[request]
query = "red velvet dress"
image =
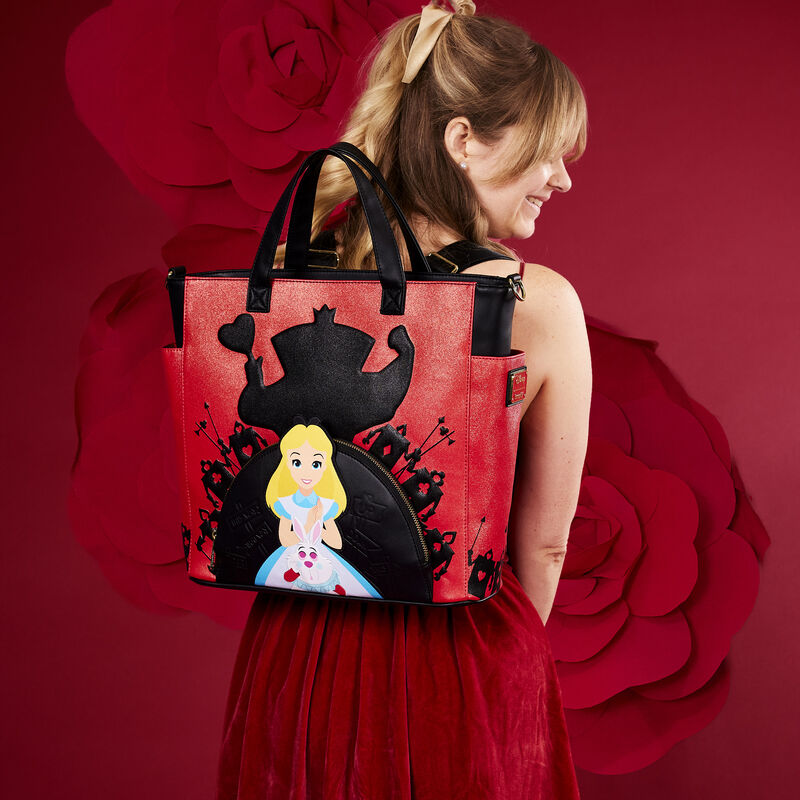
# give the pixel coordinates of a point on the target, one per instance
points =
(355, 700)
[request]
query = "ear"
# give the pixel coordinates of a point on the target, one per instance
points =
(316, 533)
(299, 530)
(456, 135)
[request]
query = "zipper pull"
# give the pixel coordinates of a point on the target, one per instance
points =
(517, 286)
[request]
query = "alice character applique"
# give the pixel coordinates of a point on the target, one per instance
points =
(305, 493)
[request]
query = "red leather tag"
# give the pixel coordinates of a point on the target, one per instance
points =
(516, 385)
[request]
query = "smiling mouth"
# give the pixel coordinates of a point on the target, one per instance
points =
(306, 480)
(534, 201)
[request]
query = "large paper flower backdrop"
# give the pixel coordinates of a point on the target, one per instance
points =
(661, 566)
(208, 107)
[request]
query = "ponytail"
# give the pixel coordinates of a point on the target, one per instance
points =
(482, 67)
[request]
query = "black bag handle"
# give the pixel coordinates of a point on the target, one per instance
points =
(387, 256)
(298, 239)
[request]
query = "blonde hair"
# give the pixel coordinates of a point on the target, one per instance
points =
(484, 68)
(282, 483)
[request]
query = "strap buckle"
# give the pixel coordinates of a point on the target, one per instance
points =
(517, 286)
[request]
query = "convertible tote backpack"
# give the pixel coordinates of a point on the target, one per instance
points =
(341, 432)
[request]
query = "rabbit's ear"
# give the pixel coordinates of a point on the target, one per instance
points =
(299, 529)
(315, 534)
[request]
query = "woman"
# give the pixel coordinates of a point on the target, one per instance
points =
(471, 123)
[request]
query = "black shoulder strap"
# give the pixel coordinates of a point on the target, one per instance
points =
(322, 250)
(451, 258)
(460, 255)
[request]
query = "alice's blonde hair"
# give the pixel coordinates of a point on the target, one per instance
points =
(482, 67)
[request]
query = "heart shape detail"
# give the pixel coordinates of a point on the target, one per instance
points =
(238, 335)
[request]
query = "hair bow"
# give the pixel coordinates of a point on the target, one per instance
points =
(432, 22)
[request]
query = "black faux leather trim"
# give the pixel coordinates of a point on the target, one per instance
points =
(491, 322)
(176, 288)
(323, 597)
(493, 312)
(494, 305)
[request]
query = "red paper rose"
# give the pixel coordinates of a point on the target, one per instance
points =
(661, 568)
(208, 106)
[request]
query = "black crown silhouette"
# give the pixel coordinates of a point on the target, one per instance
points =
(323, 375)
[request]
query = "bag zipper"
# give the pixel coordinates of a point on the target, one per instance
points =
(179, 274)
(425, 559)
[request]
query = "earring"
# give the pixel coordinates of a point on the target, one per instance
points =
(463, 165)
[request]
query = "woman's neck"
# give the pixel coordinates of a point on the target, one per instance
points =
(431, 237)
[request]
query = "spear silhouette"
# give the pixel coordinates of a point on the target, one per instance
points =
(417, 455)
(483, 519)
(224, 449)
(199, 543)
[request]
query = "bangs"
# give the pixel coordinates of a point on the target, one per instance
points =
(553, 124)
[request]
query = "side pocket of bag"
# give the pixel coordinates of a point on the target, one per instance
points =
(498, 385)
(172, 358)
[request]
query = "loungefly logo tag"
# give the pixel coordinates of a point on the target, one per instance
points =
(516, 385)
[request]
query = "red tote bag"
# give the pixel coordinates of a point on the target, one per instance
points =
(343, 432)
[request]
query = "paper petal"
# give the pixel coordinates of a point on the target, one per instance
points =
(260, 149)
(680, 445)
(172, 587)
(572, 590)
(628, 733)
(193, 57)
(605, 592)
(126, 576)
(209, 247)
(728, 569)
(621, 365)
(162, 142)
(92, 61)
(575, 638)
(245, 91)
(259, 188)
(644, 650)
(745, 521)
(667, 571)
(218, 204)
(606, 492)
(606, 421)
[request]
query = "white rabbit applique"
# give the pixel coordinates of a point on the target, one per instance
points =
(309, 568)
(312, 566)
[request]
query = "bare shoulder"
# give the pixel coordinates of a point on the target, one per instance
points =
(550, 327)
(549, 296)
(552, 295)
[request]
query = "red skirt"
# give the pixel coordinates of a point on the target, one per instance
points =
(347, 700)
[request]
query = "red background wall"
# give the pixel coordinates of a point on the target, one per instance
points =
(679, 228)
